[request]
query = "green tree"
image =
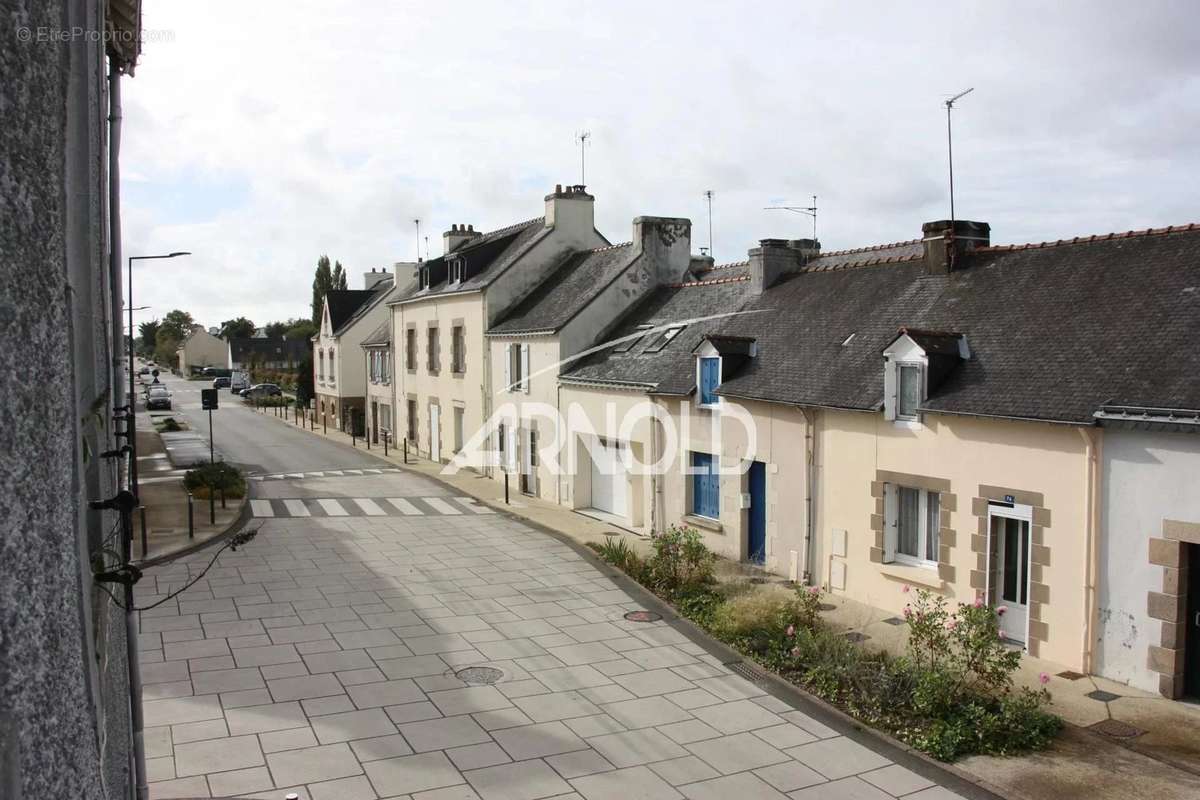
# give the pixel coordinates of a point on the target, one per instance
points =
(322, 283)
(276, 330)
(240, 328)
(165, 345)
(304, 379)
(302, 329)
(339, 276)
(177, 325)
(148, 332)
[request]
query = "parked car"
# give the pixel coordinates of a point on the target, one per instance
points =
(220, 383)
(144, 371)
(158, 397)
(238, 381)
(262, 390)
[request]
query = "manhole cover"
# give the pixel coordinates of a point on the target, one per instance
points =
(1103, 696)
(1071, 675)
(894, 621)
(479, 675)
(826, 607)
(643, 616)
(1116, 729)
(855, 636)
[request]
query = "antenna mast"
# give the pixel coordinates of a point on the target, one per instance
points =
(807, 210)
(708, 194)
(417, 222)
(582, 137)
(950, 148)
(426, 248)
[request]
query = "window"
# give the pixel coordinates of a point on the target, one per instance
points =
(631, 342)
(908, 390)
(500, 451)
(423, 278)
(664, 339)
(458, 271)
(410, 349)
(321, 366)
(914, 519)
(434, 355)
(332, 376)
(385, 367)
(458, 355)
(412, 420)
(516, 368)
(458, 429)
(706, 486)
(710, 379)
(385, 418)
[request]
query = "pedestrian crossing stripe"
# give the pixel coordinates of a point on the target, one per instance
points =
(340, 473)
(367, 507)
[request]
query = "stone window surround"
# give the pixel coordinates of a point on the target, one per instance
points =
(948, 503)
(430, 403)
(410, 365)
(432, 331)
(1039, 554)
(1170, 605)
(458, 324)
(412, 420)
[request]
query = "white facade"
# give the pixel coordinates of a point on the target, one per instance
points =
(339, 369)
(1148, 477)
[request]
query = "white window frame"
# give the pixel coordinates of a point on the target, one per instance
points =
(516, 367)
(899, 368)
(891, 505)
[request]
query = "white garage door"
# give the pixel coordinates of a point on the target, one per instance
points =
(608, 478)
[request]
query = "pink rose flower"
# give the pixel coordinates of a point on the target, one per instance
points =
(951, 624)
(791, 630)
(979, 602)
(1001, 611)
(814, 590)
(906, 588)
(795, 652)
(1043, 678)
(907, 612)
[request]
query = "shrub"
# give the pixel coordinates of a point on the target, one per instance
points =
(204, 477)
(168, 425)
(680, 564)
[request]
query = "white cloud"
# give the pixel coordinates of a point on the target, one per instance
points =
(330, 128)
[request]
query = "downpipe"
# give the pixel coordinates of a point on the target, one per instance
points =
(810, 504)
(1092, 449)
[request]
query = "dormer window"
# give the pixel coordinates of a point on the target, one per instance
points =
(709, 379)
(458, 271)
(916, 362)
(631, 342)
(718, 358)
(423, 278)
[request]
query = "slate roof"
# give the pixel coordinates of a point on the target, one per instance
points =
(243, 351)
(374, 297)
(574, 283)
(1055, 331)
(487, 256)
(381, 336)
(672, 369)
(343, 303)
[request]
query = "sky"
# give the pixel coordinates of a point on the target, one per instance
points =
(262, 135)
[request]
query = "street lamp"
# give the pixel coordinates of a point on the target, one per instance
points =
(133, 469)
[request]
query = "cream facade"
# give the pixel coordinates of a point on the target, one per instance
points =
(380, 398)
(340, 376)
(201, 349)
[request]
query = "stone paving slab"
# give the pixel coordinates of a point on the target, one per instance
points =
(322, 659)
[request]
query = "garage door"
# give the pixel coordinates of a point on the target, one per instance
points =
(608, 478)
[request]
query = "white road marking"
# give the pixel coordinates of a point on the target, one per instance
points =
(297, 508)
(333, 472)
(295, 475)
(373, 471)
(369, 508)
(352, 471)
(405, 507)
(262, 508)
(333, 508)
(316, 474)
(441, 506)
(475, 505)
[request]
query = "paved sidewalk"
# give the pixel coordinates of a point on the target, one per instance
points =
(322, 659)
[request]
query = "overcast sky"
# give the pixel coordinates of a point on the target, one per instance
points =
(261, 135)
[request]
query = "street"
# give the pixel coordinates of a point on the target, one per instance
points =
(381, 638)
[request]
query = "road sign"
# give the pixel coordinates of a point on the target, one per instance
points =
(208, 399)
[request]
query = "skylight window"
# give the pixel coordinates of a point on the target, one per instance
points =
(849, 339)
(664, 339)
(631, 342)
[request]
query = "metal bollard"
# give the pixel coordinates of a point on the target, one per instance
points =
(142, 510)
(406, 450)
(324, 424)
(367, 437)
(385, 438)
(212, 506)
(191, 518)
(505, 488)
(222, 497)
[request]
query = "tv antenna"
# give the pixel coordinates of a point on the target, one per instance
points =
(582, 137)
(417, 222)
(950, 147)
(708, 195)
(807, 210)
(426, 248)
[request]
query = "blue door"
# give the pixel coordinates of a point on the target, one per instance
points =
(757, 546)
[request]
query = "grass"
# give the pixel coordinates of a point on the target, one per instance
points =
(204, 478)
(169, 425)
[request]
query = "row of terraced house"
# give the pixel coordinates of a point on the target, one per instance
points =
(1016, 423)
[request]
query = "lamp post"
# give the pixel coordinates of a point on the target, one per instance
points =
(133, 469)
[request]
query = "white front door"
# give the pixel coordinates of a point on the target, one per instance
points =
(608, 478)
(1008, 568)
(435, 433)
(529, 461)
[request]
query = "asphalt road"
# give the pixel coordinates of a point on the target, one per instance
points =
(258, 445)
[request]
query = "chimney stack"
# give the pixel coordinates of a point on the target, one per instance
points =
(572, 210)
(456, 237)
(772, 258)
(666, 243)
(944, 242)
(375, 277)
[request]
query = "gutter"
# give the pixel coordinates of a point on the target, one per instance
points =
(1093, 446)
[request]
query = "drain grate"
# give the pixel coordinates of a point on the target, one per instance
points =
(479, 676)
(894, 621)
(745, 670)
(1116, 729)
(1071, 675)
(643, 616)
(1103, 696)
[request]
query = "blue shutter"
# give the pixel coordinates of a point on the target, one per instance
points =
(706, 489)
(710, 371)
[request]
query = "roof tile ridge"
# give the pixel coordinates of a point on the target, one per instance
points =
(608, 247)
(712, 282)
(872, 262)
(1096, 237)
(867, 249)
(514, 226)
